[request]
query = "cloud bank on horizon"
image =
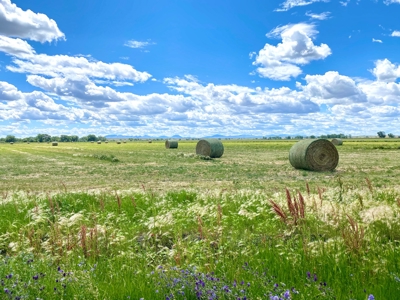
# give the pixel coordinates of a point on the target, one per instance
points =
(283, 67)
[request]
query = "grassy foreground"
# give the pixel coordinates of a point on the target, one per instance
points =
(159, 224)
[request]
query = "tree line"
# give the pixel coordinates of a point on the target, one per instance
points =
(45, 138)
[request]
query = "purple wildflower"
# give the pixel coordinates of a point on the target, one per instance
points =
(308, 275)
(371, 297)
(287, 294)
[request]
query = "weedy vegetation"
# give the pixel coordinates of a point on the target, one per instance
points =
(165, 225)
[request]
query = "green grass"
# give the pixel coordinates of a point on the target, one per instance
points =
(159, 221)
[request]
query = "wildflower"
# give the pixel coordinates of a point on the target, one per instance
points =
(287, 294)
(35, 277)
(371, 297)
(7, 291)
(308, 275)
(315, 277)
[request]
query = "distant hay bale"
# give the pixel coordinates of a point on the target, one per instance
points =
(98, 142)
(150, 141)
(118, 142)
(106, 142)
(124, 142)
(54, 144)
(210, 147)
(314, 155)
(11, 143)
(337, 142)
(171, 144)
(91, 142)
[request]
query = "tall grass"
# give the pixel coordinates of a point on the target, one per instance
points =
(230, 244)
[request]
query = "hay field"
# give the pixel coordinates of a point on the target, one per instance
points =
(138, 221)
(255, 164)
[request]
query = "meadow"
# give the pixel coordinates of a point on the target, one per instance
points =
(138, 221)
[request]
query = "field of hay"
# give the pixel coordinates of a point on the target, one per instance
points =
(138, 221)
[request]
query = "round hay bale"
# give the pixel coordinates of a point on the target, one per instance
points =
(54, 144)
(210, 147)
(337, 142)
(106, 142)
(98, 142)
(150, 141)
(91, 142)
(314, 155)
(11, 143)
(124, 142)
(118, 142)
(171, 144)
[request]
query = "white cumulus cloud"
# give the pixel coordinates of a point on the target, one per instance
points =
(396, 33)
(15, 22)
(333, 88)
(72, 66)
(297, 48)
(386, 71)
(15, 47)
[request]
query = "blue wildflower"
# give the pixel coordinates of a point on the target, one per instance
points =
(371, 297)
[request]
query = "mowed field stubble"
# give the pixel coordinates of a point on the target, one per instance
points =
(255, 164)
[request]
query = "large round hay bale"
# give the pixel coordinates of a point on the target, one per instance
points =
(54, 144)
(171, 144)
(150, 141)
(337, 142)
(210, 147)
(118, 142)
(106, 142)
(314, 155)
(11, 143)
(98, 142)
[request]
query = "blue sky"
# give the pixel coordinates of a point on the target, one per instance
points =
(199, 68)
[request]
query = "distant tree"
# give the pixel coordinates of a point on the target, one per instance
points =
(312, 136)
(391, 135)
(42, 138)
(74, 138)
(65, 138)
(10, 138)
(55, 138)
(381, 134)
(298, 137)
(288, 137)
(91, 138)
